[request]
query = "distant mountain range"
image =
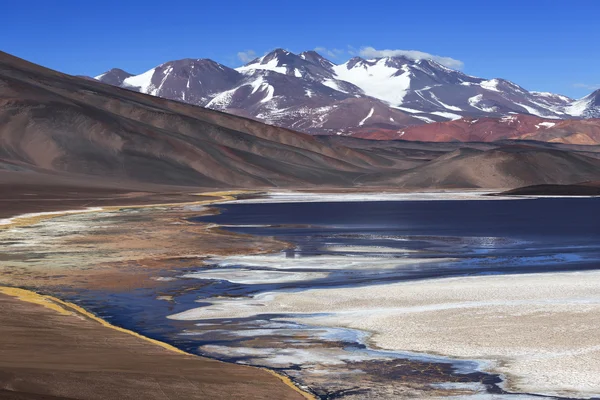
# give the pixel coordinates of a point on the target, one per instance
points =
(57, 129)
(374, 98)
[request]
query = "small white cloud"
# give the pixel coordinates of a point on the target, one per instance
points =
(333, 53)
(588, 86)
(371, 52)
(246, 56)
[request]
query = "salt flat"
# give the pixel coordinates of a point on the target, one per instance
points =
(540, 330)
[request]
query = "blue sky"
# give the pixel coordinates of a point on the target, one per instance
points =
(543, 45)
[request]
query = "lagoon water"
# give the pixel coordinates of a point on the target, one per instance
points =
(350, 244)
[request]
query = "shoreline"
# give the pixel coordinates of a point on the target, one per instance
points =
(32, 218)
(67, 308)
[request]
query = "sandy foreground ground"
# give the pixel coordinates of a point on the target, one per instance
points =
(540, 331)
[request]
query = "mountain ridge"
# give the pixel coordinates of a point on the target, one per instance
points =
(310, 93)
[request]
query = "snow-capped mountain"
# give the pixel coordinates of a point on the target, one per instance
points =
(309, 93)
(187, 80)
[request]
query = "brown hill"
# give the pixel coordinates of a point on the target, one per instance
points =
(502, 167)
(580, 189)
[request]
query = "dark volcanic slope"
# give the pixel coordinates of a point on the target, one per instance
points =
(581, 189)
(71, 129)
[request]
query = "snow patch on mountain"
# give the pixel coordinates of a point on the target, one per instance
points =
(222, 100)
(447, 106)
(362, 122)
(552, 96)
(424, 118)
(535, 111)
(260, 85)
(448, 115)
(141, 81)
(492, 85)
(376, 79)
(331, 83)
(272, 65)
(545, 125)
(408, 110)
(476, 101)
(588, 106)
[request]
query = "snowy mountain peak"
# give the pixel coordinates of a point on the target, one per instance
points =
(503, 84)
(279, 60)
(354, 62)
(193, 81)
(279, 57)
(193, 67)
(396, 61)
(390, 62)
(115, 76)
(317, 59)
